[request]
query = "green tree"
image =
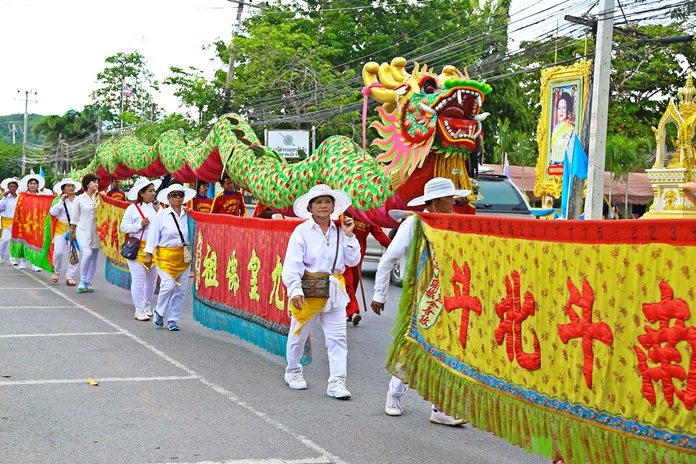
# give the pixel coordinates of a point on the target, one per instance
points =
(10, 160)
(195, 91)
(115, 106)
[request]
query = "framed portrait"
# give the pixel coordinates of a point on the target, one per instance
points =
(564, 91)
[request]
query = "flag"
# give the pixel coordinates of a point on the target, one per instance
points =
(574, 164)
(41, 171)
(506, 167)
(128, 91)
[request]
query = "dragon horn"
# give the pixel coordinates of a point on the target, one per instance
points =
(393, 75)
(383, 95)
(451, 72)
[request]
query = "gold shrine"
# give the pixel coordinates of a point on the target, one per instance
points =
(675, 159)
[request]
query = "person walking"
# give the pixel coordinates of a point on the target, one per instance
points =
(230, 201)
(438, 197)
(83, 228)
(32, 184)
(8, 204)
(168, 247)
(61, 211)
(136, 222)
(319, 250)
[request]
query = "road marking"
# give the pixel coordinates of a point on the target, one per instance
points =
(327, 456)
(23, 288)
(317, 460)
(8, 383)
(68, 334)
(37, 307)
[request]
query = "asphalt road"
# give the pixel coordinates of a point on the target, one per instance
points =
(197, 396)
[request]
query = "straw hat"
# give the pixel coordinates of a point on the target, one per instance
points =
(24, 183)
(189, 193)
(58, 188)
(438, 187)
(140, 184)
(341, 201)
(7, 182)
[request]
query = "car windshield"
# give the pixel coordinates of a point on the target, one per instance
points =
(500, 193)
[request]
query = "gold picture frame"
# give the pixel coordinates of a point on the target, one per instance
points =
(562, 87)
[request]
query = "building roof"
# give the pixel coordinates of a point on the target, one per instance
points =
(639, 187)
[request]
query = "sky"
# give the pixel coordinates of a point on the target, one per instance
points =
(57, 48)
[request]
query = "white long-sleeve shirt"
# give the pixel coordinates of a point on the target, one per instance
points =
(7, 206)
(58, 210)
(308, 251)
(132, 220)
(394, 253)
(163, 231)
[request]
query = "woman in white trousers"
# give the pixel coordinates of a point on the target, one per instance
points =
(61, 209)
(83, 228)
(136, 222)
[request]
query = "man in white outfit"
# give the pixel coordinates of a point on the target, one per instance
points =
(438, 197)
(8, 203)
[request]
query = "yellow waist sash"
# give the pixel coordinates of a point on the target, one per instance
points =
(170, 260)
(5, 223)
(61, 228)
(141, 254)
(312, 306)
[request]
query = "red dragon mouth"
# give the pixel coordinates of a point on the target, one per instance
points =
(456, 113)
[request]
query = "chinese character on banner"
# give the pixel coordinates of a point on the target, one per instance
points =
(512, 313)
(255, 267)
(584, 328)
(661, 349)
(461, 283)
(210, 263)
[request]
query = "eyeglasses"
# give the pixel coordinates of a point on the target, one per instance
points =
(176, 194)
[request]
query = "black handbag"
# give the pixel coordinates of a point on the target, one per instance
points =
(131, 245)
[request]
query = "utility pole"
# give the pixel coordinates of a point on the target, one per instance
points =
(14, 133)
(26, 123)
(233, 54)
(599, 111)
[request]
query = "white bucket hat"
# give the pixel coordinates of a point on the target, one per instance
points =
(438, 187)
(6, 182)
(140, 184)
(58, 188)
(341, 201)
(189, 193)
(24, 183)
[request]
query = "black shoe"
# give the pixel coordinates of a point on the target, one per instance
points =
(357, 319)
(349, 318)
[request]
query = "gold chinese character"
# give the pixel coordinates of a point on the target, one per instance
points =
(254, 266)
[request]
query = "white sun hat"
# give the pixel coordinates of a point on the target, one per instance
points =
(438, 187)
(140, 184)
(8, 181)
(58, 188)
(342, 201)
(189, 193)
(24, 183)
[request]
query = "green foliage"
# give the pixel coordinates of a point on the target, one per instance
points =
(112, 104)
(150, 132)
(10, 160)
(520, 147)
(17, 120)
(196, 91)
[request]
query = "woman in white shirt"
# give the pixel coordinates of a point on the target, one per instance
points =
(136, 222)
(166, 240)
(61, 210)
(8, 203)
(83, 228)
(316, 248)
(32, 184)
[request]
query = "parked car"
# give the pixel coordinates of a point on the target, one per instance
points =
(498, 196)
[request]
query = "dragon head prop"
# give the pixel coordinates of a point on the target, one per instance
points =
(424, 114)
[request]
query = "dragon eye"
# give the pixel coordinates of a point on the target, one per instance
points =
(428, 85)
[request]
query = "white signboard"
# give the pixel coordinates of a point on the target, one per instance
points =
(289, 142)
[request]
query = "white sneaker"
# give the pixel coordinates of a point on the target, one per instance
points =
(141, 316)
(393, 406)
(148, 311)
(12, 262)
(295, 380)
(35, 268)
(337, 389)
(439, 417)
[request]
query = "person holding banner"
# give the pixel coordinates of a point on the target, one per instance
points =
(8, 203)
(168, 247)
(136, 222)
(61, 210)
(317, 255)
(201, 202)
(83, 228)
(32, 184)
(230, 201)
(438, 197)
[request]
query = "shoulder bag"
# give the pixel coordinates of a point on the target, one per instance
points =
(187, 248)
(131, 245)
(317, 285)
(73, 256)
